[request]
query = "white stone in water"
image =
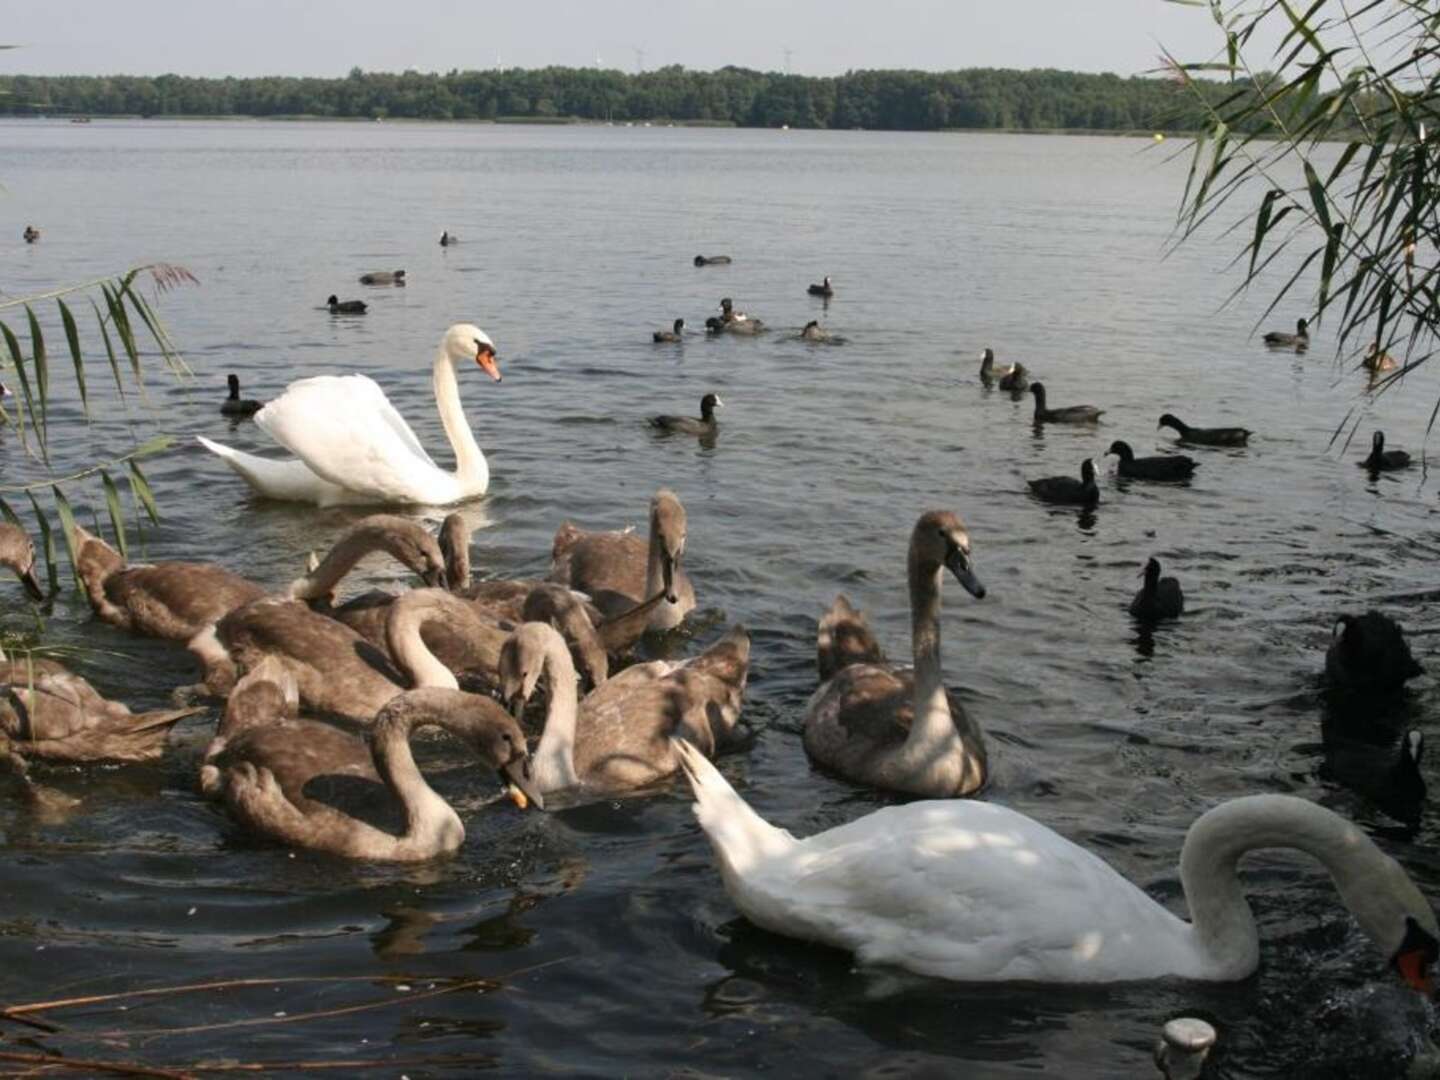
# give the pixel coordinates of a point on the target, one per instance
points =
(1182, 1050)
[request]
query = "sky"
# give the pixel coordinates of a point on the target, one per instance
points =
(329, 37)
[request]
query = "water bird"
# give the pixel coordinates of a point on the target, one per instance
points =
(18, 553)
(706, 425)
(1158, 598)
(1161, 467)
(383, 277)
(446, 239)
(1070, 414)
(976, 892)
(351, 447)
(31, 234)
(1385, 772)
(712, 260)
(1376, 361)
(823, 289)
(675, 333)
(268, 773)
(1382, 460)
(620, 570)
(1066, 490)
(1218, 436)
(619, 735)
(234, 404)
(1368, 653)
(1277, 339)
(1015, 379)
(50, 713)
(345, 307)
(813, 331)
(987, 366)
(891, 727)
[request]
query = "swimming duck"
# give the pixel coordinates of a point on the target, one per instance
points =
(1369, 653)
(234, 404)
(18, 553)
(1387, 773)
(891, 727)
(446, 239)
(712, 260)
(987, 366)
(50, 713)
(1070, 414)
(345, 307)
(706, 425)
(31, 234)
(823, 289)
(1376, 361)
(1299, 340)
(618, 736)
(1158, 598)
(1382, 460)
(268, 776)
(1161, 467)
(675, 333)
(974, 891)
(1066, 490)
(813, 331)
(1015, 379)
(383, 277)
(620, 570)
(1217, 436)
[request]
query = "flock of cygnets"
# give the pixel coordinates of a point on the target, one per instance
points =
(314, 688)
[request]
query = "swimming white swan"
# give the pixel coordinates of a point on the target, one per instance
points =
(977, 892)
(352, 447)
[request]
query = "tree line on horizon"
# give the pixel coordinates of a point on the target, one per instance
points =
(978, 98)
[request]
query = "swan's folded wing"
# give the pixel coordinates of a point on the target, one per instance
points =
(345, 429)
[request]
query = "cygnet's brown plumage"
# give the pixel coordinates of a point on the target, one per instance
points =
(894, 727)
(50, 713)
(620, 570)
(18, 553)
(169, 600)
(619, 736)
(273, 778)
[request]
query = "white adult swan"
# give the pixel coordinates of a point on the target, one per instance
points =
(977, 892)
(352, 447)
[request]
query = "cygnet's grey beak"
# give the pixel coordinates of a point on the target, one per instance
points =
(958, 562)
(32, 583)
(519, 782)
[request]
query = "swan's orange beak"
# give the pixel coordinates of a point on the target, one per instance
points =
(1413, 967)
(485, 357)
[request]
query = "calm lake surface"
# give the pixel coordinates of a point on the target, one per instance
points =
(612, 945)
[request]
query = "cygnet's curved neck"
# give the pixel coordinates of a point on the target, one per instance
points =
(932, 732)
(428, 817)
(403, 629)
(1224, 928)
(471, 469)
(554, 760)
(381, 532)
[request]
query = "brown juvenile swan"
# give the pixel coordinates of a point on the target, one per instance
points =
(256, 796)
(48, 712)
(619, 570)
(18, 553)
(619, 736)
(886, 726)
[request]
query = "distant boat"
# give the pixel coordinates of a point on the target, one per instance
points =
(79, 119)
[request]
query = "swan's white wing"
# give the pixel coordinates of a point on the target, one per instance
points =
(290, 480)
(345, 429)
(971, 891)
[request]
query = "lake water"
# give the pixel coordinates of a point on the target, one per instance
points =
(612, 945)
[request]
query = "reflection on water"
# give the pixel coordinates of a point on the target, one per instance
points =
(612, 946)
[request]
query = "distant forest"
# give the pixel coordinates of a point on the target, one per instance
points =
(887, 100)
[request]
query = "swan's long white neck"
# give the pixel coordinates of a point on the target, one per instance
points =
(932, 732)
(471, 469)
(1224, 936)
(554, 760)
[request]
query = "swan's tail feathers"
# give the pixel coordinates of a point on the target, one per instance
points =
(844, 638)
(290, 480)
(739, 835)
